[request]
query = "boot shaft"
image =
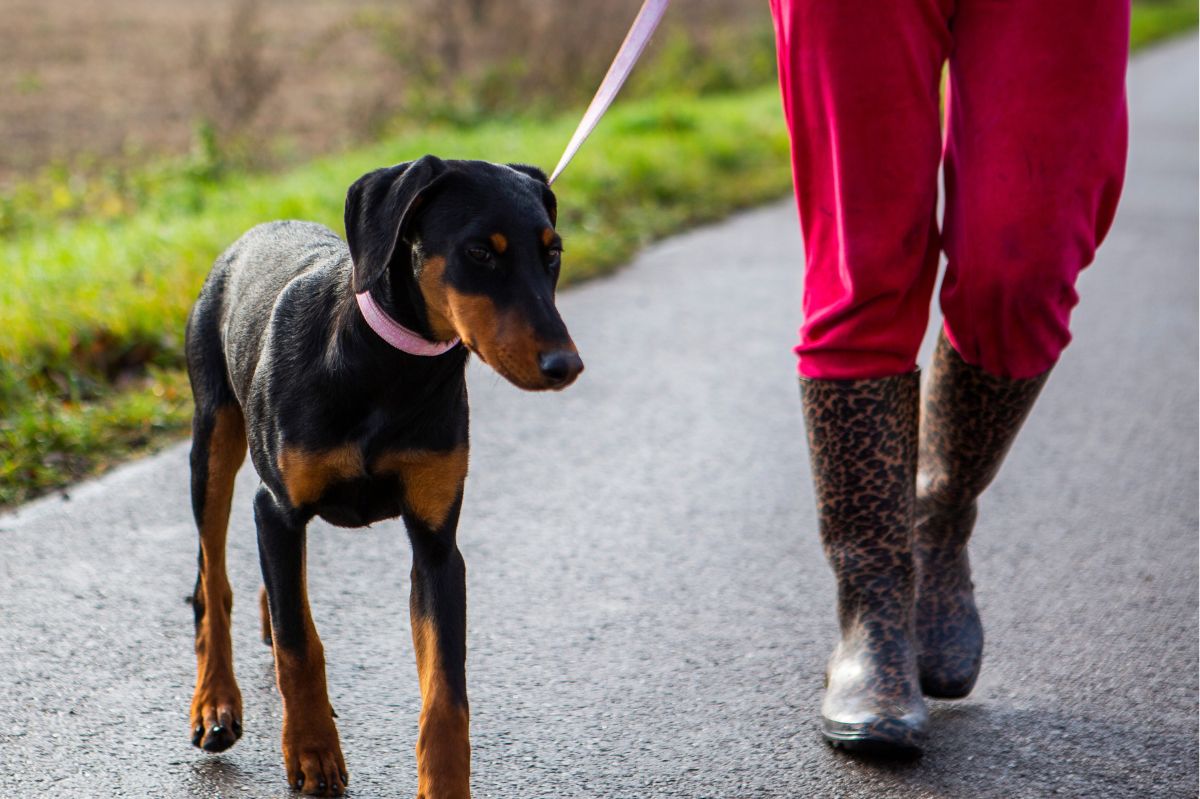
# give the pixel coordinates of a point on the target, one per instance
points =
(968, 423)
(862, 438)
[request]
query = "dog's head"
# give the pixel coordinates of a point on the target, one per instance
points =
(473, 244)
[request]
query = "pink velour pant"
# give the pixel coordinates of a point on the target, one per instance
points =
(1034, 153)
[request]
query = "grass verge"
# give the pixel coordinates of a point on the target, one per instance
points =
(1154, 20)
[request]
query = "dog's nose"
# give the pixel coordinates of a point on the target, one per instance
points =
(560, 366)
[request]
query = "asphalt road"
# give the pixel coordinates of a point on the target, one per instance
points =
(649, 608)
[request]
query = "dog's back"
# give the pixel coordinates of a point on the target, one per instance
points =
(231, 316)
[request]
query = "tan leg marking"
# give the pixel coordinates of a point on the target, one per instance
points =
(264, 615)
(432, 480)
(311, 748)
(306, 475)
(443, 741)
(217, 699)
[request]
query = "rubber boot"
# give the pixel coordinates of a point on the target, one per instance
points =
(969, 421)
(862, 438)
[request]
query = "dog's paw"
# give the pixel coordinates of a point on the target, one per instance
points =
(216, 724)
(314, 762)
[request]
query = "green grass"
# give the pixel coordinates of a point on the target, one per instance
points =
(96, 277)
(1158, 19)
(47, 442)
(87, 305)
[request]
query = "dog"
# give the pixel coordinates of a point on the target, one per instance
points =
(342, 370)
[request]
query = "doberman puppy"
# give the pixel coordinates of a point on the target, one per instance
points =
(286, 351)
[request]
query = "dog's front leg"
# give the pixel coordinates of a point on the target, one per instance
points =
(438, 609)
(312, 753)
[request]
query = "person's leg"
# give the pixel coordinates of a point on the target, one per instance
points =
(860, 92)
(1035, 161)
(1035, 157)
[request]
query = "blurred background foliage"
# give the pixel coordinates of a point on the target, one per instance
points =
(258, 89)
(143, 136)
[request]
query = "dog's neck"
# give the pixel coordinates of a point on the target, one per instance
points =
(397, 334)
(399, 296)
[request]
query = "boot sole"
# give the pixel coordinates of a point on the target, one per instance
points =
(887, 740)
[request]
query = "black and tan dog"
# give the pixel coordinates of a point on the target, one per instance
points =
(286, 353)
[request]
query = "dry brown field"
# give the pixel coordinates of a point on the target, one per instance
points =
(132, 77)
(128, 80)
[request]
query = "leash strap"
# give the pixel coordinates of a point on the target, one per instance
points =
(631, 50)
(397, 334)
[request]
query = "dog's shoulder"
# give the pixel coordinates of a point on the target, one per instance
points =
(288, 269)
(260, 265)
(287, 246)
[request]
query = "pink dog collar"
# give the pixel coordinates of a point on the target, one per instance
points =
(397, 334)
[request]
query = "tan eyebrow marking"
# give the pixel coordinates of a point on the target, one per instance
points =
(499, 242)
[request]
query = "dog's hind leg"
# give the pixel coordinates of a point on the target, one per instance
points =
(218, 449)
(312, 753)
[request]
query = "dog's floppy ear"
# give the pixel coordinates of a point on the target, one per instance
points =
(380, 207)
(548, 198)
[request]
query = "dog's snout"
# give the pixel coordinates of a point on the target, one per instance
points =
(561, 367)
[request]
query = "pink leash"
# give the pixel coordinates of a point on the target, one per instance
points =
(631, 50)
(397, 334)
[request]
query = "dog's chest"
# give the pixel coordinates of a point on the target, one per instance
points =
(362, 501)
(347, 489)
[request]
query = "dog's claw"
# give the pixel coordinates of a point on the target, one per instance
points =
(217, 722)
(219, 735)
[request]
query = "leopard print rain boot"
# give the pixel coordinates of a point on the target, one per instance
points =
(862, 438)
(969, 421)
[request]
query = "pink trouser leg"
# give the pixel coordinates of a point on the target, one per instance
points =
(860, 92)
(1035, 160)
(1034, 163)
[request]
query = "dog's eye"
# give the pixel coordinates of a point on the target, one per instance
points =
(555, 257)
(480, 254)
